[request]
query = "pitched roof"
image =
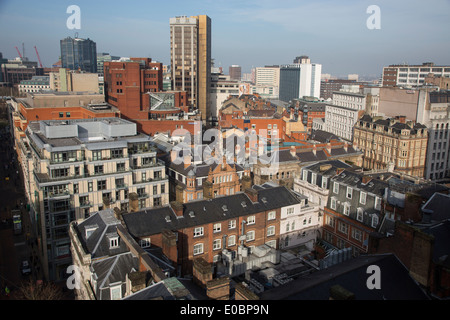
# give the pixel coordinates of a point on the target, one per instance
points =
(100, 225)
(202, 212)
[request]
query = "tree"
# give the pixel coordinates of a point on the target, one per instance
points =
(33, 290)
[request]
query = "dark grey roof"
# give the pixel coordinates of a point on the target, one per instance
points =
(97, 244)
(396, 283)
(309, 156)
(441, 247)
(438, 207)
(111, 271)
(328, 168)
(153, 221)
(354, 180)
(323, 136)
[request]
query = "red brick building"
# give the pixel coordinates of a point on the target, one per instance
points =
(202, 229)
(136, 88)
(260, 117)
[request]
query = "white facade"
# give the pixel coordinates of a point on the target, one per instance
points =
(266, 91)
(437, 120)
(299, 225)
(340, 120)
(415, 75)
(267, 76)
(348, 98)
(35, 84)
(220, 91)
(310, 76)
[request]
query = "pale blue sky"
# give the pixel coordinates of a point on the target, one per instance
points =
(248, 33)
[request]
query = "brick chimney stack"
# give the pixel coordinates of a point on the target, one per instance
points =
(252, 194)
(177, 207)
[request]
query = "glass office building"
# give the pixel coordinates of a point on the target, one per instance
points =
(79, 54)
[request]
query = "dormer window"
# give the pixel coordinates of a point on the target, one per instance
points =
(113, 239)
(89, 230)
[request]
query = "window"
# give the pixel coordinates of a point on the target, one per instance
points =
(198, 231)
(347, 209)
(271, 231)
(75, 188)
(217, 244)
(374, 221)
(217, 227)
(250, 236)
(231, 241)
(359, 214)
(305, 175)
(120, 166)
(116, 292)
(357, 234)
(336, 187)
(251, 220)
(349, 192)
(145, 243)
(362, 197)
(96, 155)
(98, 169)
(68, 114)
(377, 204)
(324, 182)
(271, 215)
(198, 248)
(290, 211)
(313, 178)
(333, 203)
(114, 242)
(231, 224)
(90, 187)
(343, 227)
(116, 153)
(101, 185)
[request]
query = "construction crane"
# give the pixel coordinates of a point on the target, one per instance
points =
(18, 52)
(37, 53)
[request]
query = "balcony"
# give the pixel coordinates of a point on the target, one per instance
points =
(121, 186)
(59, 194)
(68, 160)
(143, 195)
(157, 163)
(86, 204)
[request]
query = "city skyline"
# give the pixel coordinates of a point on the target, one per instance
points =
(249, 34)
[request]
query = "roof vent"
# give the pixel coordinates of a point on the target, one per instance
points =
(224, 207)
(264, 200)
(243, 204)
(168, 219)
(191, 214)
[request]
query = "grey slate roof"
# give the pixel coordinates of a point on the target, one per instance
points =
(97, 244)
(438, 207)
(113, 270)
(153, 221)
(441, 247)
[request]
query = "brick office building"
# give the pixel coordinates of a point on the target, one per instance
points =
(135, 87)
(127, 84)
(202, 229)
